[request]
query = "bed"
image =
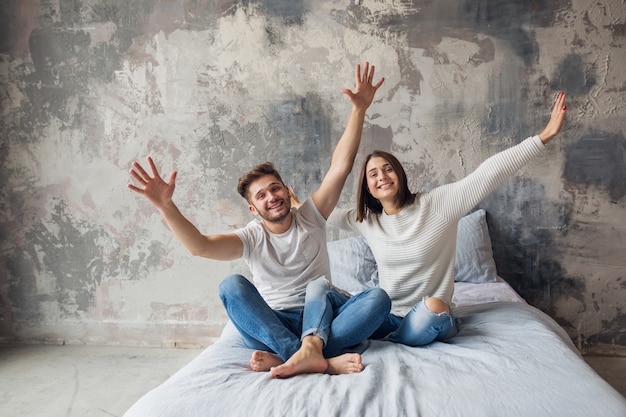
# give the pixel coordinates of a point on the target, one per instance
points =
(509, 359)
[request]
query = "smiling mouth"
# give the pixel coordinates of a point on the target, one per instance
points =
(276, 206)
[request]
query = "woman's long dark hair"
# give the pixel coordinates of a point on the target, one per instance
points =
(366, 203)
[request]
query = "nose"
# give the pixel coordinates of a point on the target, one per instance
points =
(272, 196)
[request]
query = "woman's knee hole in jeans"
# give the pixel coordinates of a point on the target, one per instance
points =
(436, 305)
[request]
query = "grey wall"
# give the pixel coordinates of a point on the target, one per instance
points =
(210, 88)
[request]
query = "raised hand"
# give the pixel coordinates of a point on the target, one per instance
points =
(364, 92)
(295, 201)
(157, 191)
(556, 119)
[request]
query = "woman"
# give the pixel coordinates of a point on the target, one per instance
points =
(413, 235)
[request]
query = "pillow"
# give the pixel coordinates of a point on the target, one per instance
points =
(474, 256)
(352, 264)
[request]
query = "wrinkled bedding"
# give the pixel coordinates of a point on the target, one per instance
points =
(509, 359)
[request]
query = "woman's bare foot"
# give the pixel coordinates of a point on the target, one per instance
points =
(348, 363)
(307, 360)
(261, 361)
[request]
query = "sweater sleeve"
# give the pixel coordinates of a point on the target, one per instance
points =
(454, 200)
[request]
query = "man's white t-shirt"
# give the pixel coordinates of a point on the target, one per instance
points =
(283, 264)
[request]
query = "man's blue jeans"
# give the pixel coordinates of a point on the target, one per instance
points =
(419, 327)
(340, 320)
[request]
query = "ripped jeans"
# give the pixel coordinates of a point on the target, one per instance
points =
(418, 328)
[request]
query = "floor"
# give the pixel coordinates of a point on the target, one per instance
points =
(81, 381)
(93, 381)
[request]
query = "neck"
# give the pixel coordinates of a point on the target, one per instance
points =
(390, 207)
(391, 210)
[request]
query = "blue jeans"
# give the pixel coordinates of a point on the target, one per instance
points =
(419, 327)
(339, 320)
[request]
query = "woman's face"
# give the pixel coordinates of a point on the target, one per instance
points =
(382, 180)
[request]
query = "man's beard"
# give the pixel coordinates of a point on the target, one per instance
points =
(268, 216)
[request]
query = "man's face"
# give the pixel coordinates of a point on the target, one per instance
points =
(269, 198)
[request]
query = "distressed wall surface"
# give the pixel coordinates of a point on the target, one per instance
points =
(210, 88)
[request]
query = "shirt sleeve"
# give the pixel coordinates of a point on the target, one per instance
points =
(454, 200)
(248, 237)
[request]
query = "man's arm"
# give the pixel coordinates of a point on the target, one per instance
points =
(327, 195)
(222, 247)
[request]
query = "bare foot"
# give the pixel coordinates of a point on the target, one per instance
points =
(307, 360)
(348, 363)
(261, 361)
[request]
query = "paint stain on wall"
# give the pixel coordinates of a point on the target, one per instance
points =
(302, 129)
(523, 228)
(573, 76)
(427, 23)
(598, 159)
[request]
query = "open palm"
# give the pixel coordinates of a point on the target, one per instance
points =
(157, 191)
(364, 92)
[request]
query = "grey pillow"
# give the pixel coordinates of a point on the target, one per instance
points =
(474, 255)
(352, 264)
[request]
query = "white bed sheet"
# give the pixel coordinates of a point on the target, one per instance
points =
(467, 293)
(509, 359)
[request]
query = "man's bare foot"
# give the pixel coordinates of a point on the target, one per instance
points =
(307, 360)
(348, 363)
(261, 361)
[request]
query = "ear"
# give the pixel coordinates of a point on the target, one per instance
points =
(253, 210)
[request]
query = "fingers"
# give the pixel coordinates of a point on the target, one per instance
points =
(370, 77)
(141, 180)
(133, 188)
(348, 92)
(559, 104)
(368, 73)
(172, 178)
(139, 173)
(558, 112)
(556, 119)
(153, 168)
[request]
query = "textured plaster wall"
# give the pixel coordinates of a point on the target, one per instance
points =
(211, 88)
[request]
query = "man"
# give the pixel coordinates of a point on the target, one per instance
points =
(285, 250)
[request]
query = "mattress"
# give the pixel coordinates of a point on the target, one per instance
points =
(509, 359)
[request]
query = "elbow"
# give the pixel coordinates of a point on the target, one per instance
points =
(196, 252)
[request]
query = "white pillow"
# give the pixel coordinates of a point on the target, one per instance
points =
(474, 255)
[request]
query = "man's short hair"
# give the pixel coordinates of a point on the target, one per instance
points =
(261, 170)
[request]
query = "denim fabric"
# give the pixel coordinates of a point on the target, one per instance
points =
(261, 327)
(418, 328)
(339, 319)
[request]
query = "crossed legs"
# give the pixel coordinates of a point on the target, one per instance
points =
(331, 326)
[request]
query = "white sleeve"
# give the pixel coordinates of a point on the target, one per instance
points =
(454, 200)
